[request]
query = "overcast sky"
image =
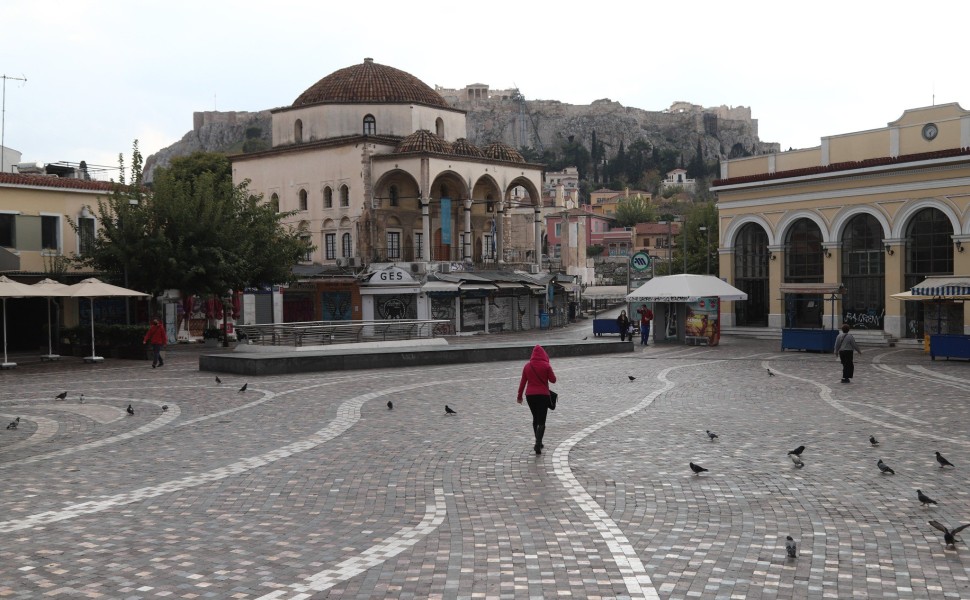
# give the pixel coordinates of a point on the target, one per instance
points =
(101, 74)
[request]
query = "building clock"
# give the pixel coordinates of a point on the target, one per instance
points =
(929, 132)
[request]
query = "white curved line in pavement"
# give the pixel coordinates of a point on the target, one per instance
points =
(46, 429)
(371, 557)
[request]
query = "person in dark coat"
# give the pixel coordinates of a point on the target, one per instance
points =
(537, 374)
(157, 338)
(623, 324)
(844, 345)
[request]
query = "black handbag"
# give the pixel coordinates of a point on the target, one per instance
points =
(553, 396)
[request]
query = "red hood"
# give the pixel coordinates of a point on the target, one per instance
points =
(538, 354)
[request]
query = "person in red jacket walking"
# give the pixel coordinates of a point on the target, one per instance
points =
(537, 374)
(157, 338)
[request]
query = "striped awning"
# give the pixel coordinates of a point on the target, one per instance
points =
(953, 285)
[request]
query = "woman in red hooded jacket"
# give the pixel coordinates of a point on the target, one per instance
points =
(537, 374)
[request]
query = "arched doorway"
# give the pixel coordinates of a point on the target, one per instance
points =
(863, 273)
(929, 251)
(751, 276)
(803, 264)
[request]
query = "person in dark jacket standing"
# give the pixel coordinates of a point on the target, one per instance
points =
(537, 374)
(623, 324)
(844, 345)
(157, 338)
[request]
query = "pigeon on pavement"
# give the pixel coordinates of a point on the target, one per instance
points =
(943, 462)
(873, 440)
(712, 435)
(770, 374)
(390, 405)
(585, 338)
(130, 410)
(926, 500)
(81, 399)
(165, 407)
(13, 424)
(632, 378)
(448, 410)
(791, 547)
(797, 451)
(949, 536)
(798, 461)
(61, 396)
(885, 468)
(697, 469)
(243, 388)
(218, 380)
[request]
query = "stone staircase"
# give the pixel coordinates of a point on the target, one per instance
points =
(864, 337)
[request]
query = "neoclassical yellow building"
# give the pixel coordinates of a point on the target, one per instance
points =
(876, 211)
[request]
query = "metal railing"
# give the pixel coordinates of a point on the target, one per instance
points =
(325, 333)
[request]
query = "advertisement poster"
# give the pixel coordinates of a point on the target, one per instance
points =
(703, 320)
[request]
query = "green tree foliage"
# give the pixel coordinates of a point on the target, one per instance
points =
(699, 246)
(195, 231)
(633, 210)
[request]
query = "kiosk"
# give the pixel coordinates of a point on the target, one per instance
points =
(686, 307)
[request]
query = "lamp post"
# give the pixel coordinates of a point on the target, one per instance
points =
(685, 247)
(707, 247)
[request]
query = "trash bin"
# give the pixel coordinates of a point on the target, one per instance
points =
(543, 320)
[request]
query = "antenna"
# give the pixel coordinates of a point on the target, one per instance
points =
(3, 116)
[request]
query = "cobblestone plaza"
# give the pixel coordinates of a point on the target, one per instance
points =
(308, 486)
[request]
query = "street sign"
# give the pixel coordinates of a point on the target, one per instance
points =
(640, 262)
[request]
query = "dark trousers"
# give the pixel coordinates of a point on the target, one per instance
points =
(623, 334)
(644, 334)
(848, 369)
(539, 405)
(157, 355)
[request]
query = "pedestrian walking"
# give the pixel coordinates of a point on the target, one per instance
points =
(623, 324)
(844, 345)
(537, 374)
(157, 338)
(646, 316)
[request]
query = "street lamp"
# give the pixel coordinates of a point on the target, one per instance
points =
(707, 247)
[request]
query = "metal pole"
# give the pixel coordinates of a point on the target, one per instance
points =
(685, 246)
(3, 116)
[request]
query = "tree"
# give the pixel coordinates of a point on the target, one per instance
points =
(701, 246)
(633, 210)
(195, 232)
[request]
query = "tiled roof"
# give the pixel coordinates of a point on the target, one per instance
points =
(500, 151)
(463, 147)
(55, 182)
(370, 82)
(423, 140)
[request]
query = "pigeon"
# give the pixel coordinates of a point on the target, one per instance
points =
(218, 380)
(390, 405)
(798, 461)
(949, 536)
(926, 500)
(61, 396)
(770, 374)
(448, 410)
(943, 462)
(243, 388)
(791, 547)
(884, 467)
(713, 436)
(585, 338)
(632, 378)
(165, 407)
(797, 451)
(130, 410)
(873, 440)
(81, 399)
(13, 424)
(697, 469)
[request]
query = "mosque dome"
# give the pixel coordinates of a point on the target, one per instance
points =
(423, 140)
(462, 147)
(369, 83)
(500, 151)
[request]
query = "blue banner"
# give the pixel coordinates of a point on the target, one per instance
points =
(446, 221)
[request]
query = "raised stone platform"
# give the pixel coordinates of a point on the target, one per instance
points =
(367, 356)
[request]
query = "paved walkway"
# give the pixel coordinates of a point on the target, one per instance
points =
(309, 487)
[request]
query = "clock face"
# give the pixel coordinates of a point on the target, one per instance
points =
(930, 131)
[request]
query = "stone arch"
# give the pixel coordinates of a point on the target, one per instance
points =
(345, 223)
(790, 218)
(408, 190)
(902, 219)
(298, 131)
(524, 182)
(736, 225)
(486, 194)
(845, 215)
(439, 127)
(329, 224)
(455, 184)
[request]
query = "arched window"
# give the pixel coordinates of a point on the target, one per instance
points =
(303, 196)
(929, 251)
(298, 131)
(393, 195)
(803, 264)
(327, 197)
(274, 200)
(439, 127)
(370, 125)
(344, 196)
(751, 275)
(346, 246)
(863, 273)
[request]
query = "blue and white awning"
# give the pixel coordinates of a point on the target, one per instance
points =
(943, 285)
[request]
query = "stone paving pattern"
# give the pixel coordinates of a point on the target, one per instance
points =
(309, 487)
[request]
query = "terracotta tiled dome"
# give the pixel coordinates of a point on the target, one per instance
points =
(370, 82)
(423, 140)
(500, 151)
(463, 147)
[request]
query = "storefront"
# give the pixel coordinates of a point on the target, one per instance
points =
(390, 294)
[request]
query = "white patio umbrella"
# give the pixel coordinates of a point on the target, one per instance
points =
(11, 289)
(685, 288)
(50, 288)
(94, 288)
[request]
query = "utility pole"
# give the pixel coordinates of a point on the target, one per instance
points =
(685, 247)
(3, 116)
